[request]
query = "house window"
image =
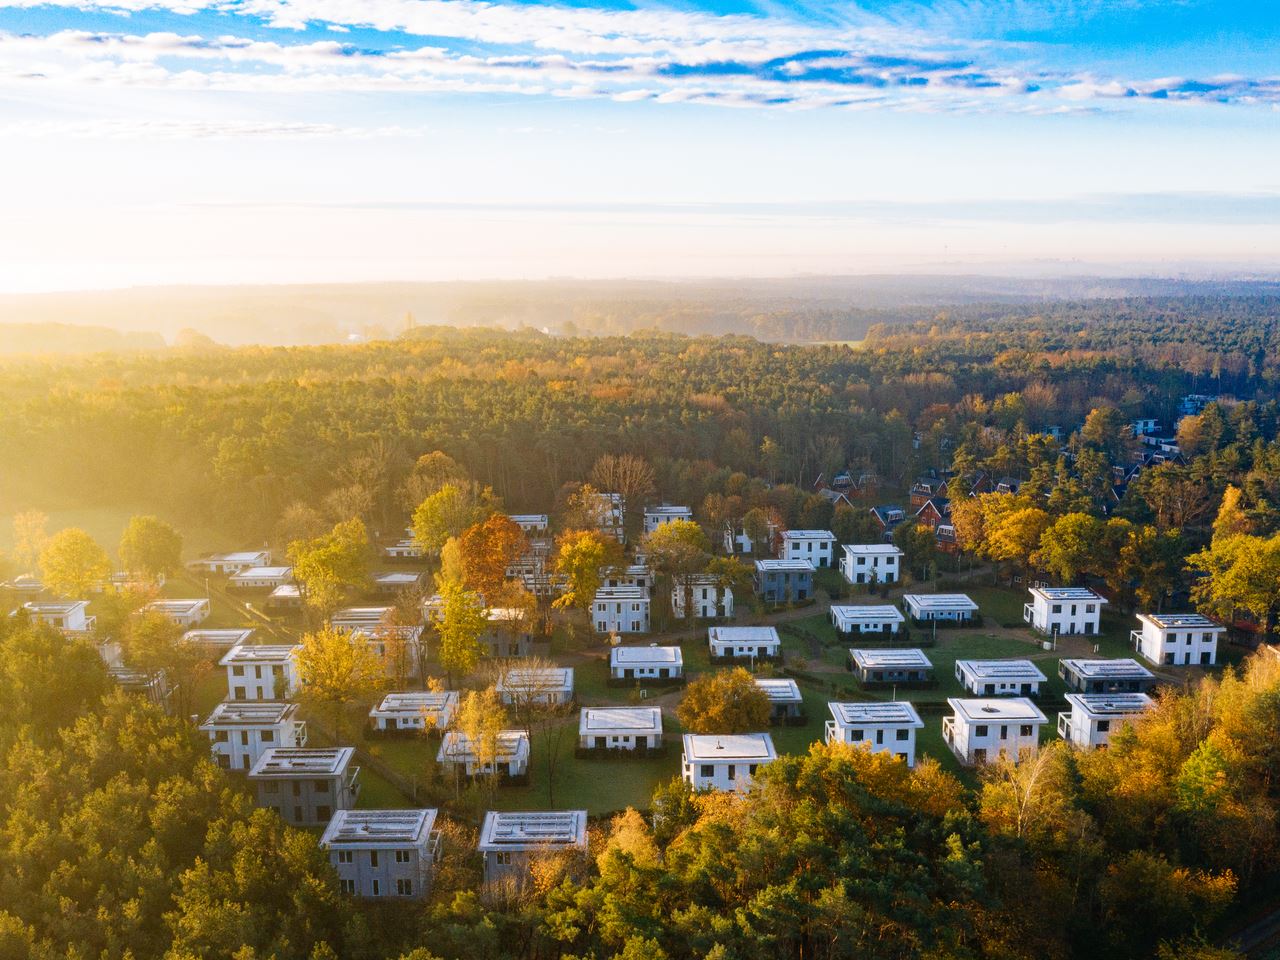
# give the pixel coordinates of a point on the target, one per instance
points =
(733, 772)
(321, 786)
(402, 856)
(1057, 608)
(1025, 730)
(903, 734)
(1089, 607)
(502, 858)
(980, 730)
(271, 787)
(1104, 726)
(856, 735)
(348, 886)
(267, 736)
(344, 856)
(375, 887)
(404, 888)
(707, 770)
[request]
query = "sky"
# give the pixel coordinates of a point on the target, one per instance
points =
(150, 142)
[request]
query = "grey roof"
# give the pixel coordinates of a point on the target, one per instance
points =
(303, 762)
(1110, 704)
(1108, 669)
(909, 658)
(898, 713)
(379, 829)
(503, 830)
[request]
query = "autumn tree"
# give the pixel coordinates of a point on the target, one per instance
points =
(628, 475)
(487, 549)
(481, 718)
(336, 669)
(1241, 573)
(72, 563)
(679, 552)
(582, 558)
(152, 643)
(330, 565)
(1070, 547)
(151, 547)
(430, 472)
(1231, 521)
(724, 701)
(300, 521)
(462, 621)
(919, 546)
(30, 537)
(448, 511)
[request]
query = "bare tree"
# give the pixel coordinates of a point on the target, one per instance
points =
(627, 475)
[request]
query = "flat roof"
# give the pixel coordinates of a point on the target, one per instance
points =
(535, 680)
(456, 745)
(1001, 669)
(54, 606)
(226, 636)
(527, 517)
(1110, 704)
(303, 762)
(249, 713)
(533, 830)
(867, 612)
(416, 702)
(238, 556)
(780, 690)
(899, 713)
(1067, 593)
(402, 576)
(630, 720)
(1180, 621)
(894, 659)
(808, 535)
(287, 590)
(870, 548)
(669, 509)
(359, 616)
(621, 593)
(176, 606)
(649, 654)
(996, 709)
(729, 747)
(1107, 668)
(784, 566)
(251, 573)
(379, 828)
(940, 601)
(259, 653)
(743, 634)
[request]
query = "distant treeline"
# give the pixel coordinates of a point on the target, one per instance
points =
(19, 338)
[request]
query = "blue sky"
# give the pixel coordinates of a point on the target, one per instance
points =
(168, 141)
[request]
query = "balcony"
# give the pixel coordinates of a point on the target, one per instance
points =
(1135, 637)
(831, 732)
(300, 734)
(949, 731)
(1064, 725)
(352, 782)
(1028, 612)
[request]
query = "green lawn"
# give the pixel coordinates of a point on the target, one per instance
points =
(1000, 606)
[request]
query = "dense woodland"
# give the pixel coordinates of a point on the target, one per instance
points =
(119, 838)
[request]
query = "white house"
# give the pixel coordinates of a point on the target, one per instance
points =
(785, 701)
(816, 546)
(415, 711)
(885, 667)
(371, 624)
(646, 663)
(1000, 678)
(660, 516)
(954, 607)
(530, 523)
(871, 563)
(233, 562)
(620, 728)
(286, 596)
(406, 549)
(1093, 717)
(724, 761)
(1105, 676)
(984, 729)
(69, 616)
(260, 578)
(1064, 610)
(888, 727)
(744, 643)
(880, 618)
(509, 842)
(506, 632)
(550, 686)
(711, 598)
(218, 639)
(511, 756)
(261, 671)
(397, 581)
(1177, 639)
(240, 731)
(633, 575)
(184, 613)
(383, 853)
(306, 786)
(621, 610)
(609, 515)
